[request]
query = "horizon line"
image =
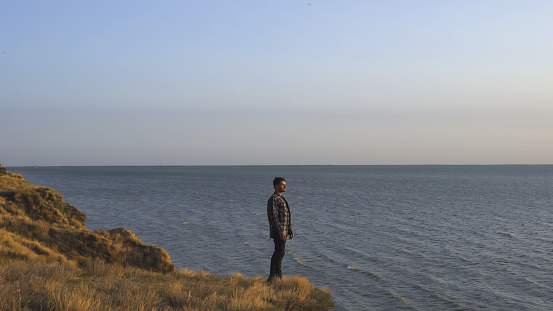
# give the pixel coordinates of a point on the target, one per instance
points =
(239, 165)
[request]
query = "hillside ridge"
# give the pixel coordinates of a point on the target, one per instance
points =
(42, 225)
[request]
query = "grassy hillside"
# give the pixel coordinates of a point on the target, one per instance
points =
(49, 260)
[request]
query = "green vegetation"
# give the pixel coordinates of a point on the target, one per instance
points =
(50, 261)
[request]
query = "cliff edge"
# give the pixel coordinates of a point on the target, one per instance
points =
(37, 224)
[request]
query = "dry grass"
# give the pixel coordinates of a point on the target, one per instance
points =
(23, 237)
(19, 197)
(35, 286)
(36, 222)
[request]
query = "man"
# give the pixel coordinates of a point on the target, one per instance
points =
(280, 223)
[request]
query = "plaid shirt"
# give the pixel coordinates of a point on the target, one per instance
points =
(278, 212)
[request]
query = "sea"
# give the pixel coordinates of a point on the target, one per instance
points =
(379, 237)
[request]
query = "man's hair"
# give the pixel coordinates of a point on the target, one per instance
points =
(278, 180)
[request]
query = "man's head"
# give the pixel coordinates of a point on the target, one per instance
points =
(280, 185)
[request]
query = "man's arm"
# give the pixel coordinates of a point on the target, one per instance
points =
(290, 230)
(272, 211)
(277, 223)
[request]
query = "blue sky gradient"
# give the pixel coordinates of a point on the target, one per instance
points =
(276, 82)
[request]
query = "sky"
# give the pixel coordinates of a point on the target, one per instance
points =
(276, 82)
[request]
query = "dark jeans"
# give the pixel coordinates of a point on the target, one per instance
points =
(276, 260)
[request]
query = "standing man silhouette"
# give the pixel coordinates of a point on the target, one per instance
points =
(280, 224)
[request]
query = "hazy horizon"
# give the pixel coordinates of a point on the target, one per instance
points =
(269, 165)
(141, 83)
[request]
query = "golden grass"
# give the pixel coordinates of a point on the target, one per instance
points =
(20, 197)
(23, 237)
(38, 286)
(36, 222)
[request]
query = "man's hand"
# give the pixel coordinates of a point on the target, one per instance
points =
(283, 236)
(292, 235)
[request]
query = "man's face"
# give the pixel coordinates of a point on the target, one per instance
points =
(280, 187)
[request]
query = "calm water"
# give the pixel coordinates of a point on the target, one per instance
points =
(381, 237)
